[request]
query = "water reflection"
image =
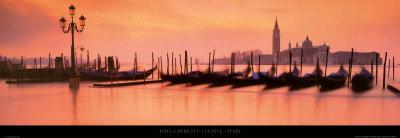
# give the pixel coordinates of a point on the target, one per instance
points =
(74, 95)
(54, 103)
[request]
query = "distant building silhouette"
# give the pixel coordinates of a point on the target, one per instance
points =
(310, 53)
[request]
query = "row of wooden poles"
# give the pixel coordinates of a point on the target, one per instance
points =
(35, 64)
(97, 64)
(183, 69)
(350, 65)
(211, 64)
(51, 64)
(384, 70)
(376, 68)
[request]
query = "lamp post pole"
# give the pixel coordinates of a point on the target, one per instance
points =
(72, 27)
(73, 46)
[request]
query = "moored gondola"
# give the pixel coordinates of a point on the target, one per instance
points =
(362, 81)
(308, 80)
(205, 78)
(92, 75)
(283, 79)
(255, 79)
(232, 78)
(184, 78)
(334, 80)
(249, 81)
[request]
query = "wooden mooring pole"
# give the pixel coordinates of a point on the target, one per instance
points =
(62, 56)
(389, 70)
(231, 63)
(50, 61)
(350, 66)
(167, 64)
(290, 62)
(94, 64)
(34, 64)
(372, 66)
(65, 62)
(161, 65)
(117, 63)
(175, 67)
(234, 62)
(152, 63)
(393, 63)
(251, 61)
(22, 61)
(301, 62)
(351, 63)
(326, 60)
(209, 62)
(172, 63)
(376, 68)
(384, 72)
(158, 68)
(259, 63)
(213, 61)
(348, 76)
(105, 63)
(180, 63)
(136, 62)
(186, 63)
(191, 65)
(98, 62)
(87, 60)
(144, 76)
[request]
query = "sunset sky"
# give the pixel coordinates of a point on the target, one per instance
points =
(30, 28)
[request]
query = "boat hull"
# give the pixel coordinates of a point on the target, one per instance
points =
(329, 83)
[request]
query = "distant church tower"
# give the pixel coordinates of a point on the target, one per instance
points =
(276, 38)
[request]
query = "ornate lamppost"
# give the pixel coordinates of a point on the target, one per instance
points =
(72, 27)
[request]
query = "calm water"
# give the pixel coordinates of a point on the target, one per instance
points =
(55, 103)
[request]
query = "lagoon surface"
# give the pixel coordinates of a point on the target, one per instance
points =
(160, 104)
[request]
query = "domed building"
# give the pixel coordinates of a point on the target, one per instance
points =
(307, 43)
(310, 53)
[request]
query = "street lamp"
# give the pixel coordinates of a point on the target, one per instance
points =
(74, 79)
(71, 10)
(72, 27)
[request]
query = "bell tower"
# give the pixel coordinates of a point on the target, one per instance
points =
(276, 38)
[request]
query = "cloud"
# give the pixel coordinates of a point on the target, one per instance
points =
(21, 23)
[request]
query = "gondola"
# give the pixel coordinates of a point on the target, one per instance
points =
(334, 80)
(93, 75)
(308, 80)
(362, 81)
(183, 78)
(255, 79)
(221, 80)
(283, 79)
(268, 78)
(205, 78)
(248, 81)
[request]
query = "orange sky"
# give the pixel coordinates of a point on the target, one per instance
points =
(121, 27)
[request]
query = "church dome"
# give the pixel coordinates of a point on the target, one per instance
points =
(307, 43)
